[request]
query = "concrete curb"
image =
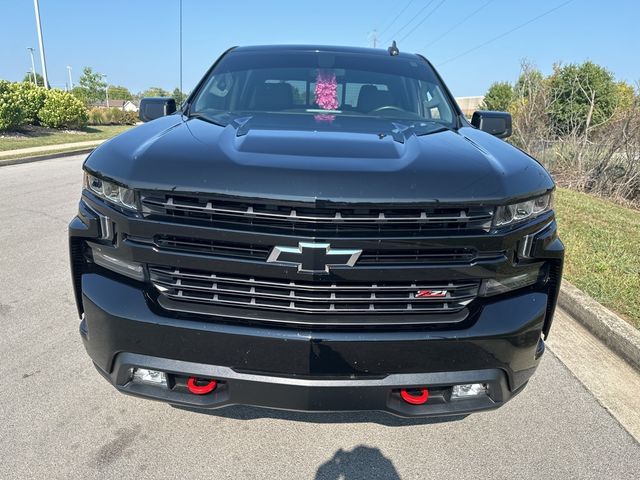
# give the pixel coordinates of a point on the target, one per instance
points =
(617, 334)
(48, 156)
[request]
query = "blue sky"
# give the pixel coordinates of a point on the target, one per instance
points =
(135, 42)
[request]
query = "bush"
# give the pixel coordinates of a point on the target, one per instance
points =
(111, 116)
(12, 115)
(95, 116)
(582, 96)
(32, 100)
(498, 97)
(61, 109)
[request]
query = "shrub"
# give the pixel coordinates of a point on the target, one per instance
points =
(111, 116)
(95, 116)
(32, 100)
(12, 115)
(61, 109)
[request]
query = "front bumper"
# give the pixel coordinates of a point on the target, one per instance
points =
(312, 370)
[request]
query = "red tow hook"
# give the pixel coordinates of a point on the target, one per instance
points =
(197, 389)
(415, 399)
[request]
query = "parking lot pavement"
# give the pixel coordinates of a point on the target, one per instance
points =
(59, 418)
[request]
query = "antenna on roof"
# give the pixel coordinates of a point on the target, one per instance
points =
(393, 49)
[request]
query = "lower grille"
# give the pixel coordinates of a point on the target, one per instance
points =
(193, 286)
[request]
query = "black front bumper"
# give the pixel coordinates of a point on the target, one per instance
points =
(312, 370)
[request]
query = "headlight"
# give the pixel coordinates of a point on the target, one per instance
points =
(121, 196)
(522, 211)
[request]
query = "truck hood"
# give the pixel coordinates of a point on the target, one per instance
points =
(314, 163)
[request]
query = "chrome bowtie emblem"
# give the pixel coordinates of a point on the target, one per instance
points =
(314, 257)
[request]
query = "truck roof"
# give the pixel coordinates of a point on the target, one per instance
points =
(321, 48)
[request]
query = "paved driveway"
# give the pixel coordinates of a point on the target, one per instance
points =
(60, 419)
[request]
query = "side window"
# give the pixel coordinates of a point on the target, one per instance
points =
(216, 93)
(434, 104)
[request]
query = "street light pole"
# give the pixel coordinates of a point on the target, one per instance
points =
(41, 43)
(33, 67)
(70, 79)
(106, 88)
(180, 47)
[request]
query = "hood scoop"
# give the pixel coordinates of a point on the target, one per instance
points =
(325, 136)
(319, 144)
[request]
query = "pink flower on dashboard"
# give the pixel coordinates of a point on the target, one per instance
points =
(326, 90)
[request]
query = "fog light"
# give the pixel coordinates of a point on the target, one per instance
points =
(102, 256)
(149, 377)
(468, 390)
(495, 286)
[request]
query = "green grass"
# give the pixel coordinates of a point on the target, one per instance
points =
(602, 242)
(43, 154)
(36, 137)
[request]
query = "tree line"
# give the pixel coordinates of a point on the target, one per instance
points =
(92, 89)
(581, 122)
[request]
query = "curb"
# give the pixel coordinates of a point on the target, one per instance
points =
(48, 156)
(617, 334)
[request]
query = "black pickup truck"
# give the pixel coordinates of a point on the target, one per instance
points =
(316, 228)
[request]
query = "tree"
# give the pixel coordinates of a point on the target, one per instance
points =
(155, 92)
(28, 77)
(119, 92)
(583, 97)
(179, 96)
(498, 97)
(529, 109)
(92, 87)
(625, 97)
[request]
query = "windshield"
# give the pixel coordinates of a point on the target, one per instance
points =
(326, 86)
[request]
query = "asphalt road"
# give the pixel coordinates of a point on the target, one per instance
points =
(60, 419)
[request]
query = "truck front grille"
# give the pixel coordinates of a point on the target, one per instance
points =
(401, 255)
(192, 286)
(302, 217)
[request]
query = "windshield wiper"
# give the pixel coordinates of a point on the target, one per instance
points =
(419, 129)
(435, 130)
(206, 118)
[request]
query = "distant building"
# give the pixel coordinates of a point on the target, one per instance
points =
(468, 105)
(130, 106)
(126, 105)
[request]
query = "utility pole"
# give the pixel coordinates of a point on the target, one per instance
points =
(70, 79)
(374, 38)
(33, 67)
(180, 47)
(41, 43)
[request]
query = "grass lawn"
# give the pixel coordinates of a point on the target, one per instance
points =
(602, 242)
(38, 136)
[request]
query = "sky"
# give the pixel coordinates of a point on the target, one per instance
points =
(136, 42)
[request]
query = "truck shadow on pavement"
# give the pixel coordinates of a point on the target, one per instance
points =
(360, 463)
(237, 412)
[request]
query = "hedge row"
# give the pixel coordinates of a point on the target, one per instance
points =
(23, 103)
(111, 116)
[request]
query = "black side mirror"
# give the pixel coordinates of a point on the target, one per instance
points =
(495, 123)
(156, 107)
